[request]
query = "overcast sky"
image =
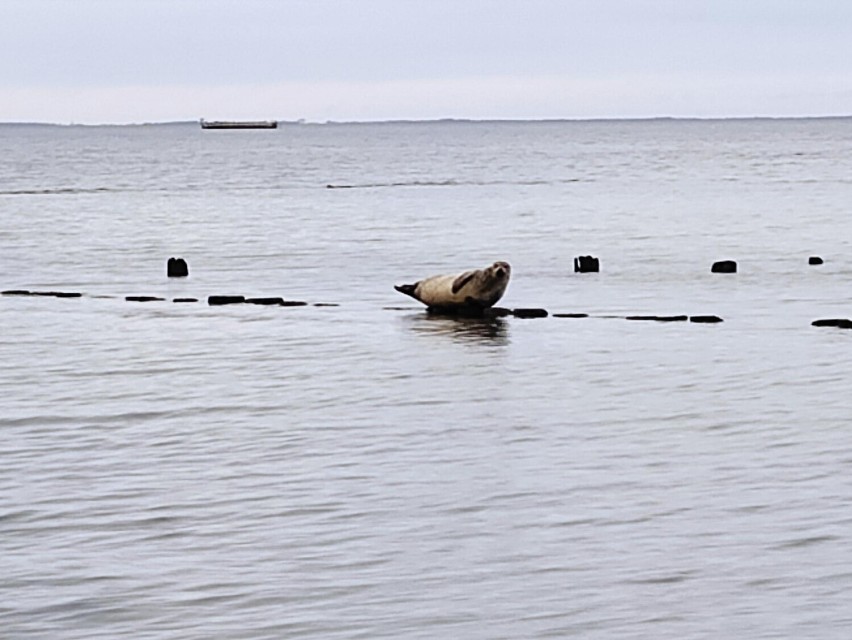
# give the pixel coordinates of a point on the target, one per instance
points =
(90, 61)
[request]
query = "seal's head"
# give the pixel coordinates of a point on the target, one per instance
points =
(500, 270)
(491, 283)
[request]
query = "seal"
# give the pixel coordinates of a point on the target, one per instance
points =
(473, 290)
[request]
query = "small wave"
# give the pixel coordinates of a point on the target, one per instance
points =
(54, 191)
(386, 185)
(44, 420)
(451, 183)
(807, 541)
(663, 579)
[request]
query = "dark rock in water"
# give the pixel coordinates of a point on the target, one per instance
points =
(659, 318)
(724, 266)
(220, 300)
(586, 264)
(185, 300)
(278, 302)
(143, 298)
(463, 311)
(468, 311)
(16, 292)
(841, 323)
(58, 294)
(570, 315)
(815, 260)
(530, 313)
(177, 268)
(705, 319)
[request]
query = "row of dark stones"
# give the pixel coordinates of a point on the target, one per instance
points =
(211, 300)
(226, 300)
(590, 264)
(490, 313)
(536, 312)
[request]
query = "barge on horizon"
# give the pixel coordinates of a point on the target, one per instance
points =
(239, 124)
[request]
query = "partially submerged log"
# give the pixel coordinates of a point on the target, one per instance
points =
(840, 323)
(705, 319)
(659, 318)
(222, 300)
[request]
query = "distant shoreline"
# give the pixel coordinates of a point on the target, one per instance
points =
(428, 121)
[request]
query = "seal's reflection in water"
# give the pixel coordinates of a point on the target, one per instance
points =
(490, 331)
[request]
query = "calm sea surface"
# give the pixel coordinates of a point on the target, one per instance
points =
(368, 471)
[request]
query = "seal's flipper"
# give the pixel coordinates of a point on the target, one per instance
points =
(407, 289)
(462, 280)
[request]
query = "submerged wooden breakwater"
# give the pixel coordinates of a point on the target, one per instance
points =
(489, 314)
(178, 268)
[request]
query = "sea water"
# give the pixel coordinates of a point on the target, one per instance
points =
(366, 470)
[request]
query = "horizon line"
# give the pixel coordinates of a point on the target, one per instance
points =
(307, 122)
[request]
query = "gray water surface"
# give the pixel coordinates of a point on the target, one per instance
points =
(367, 470)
